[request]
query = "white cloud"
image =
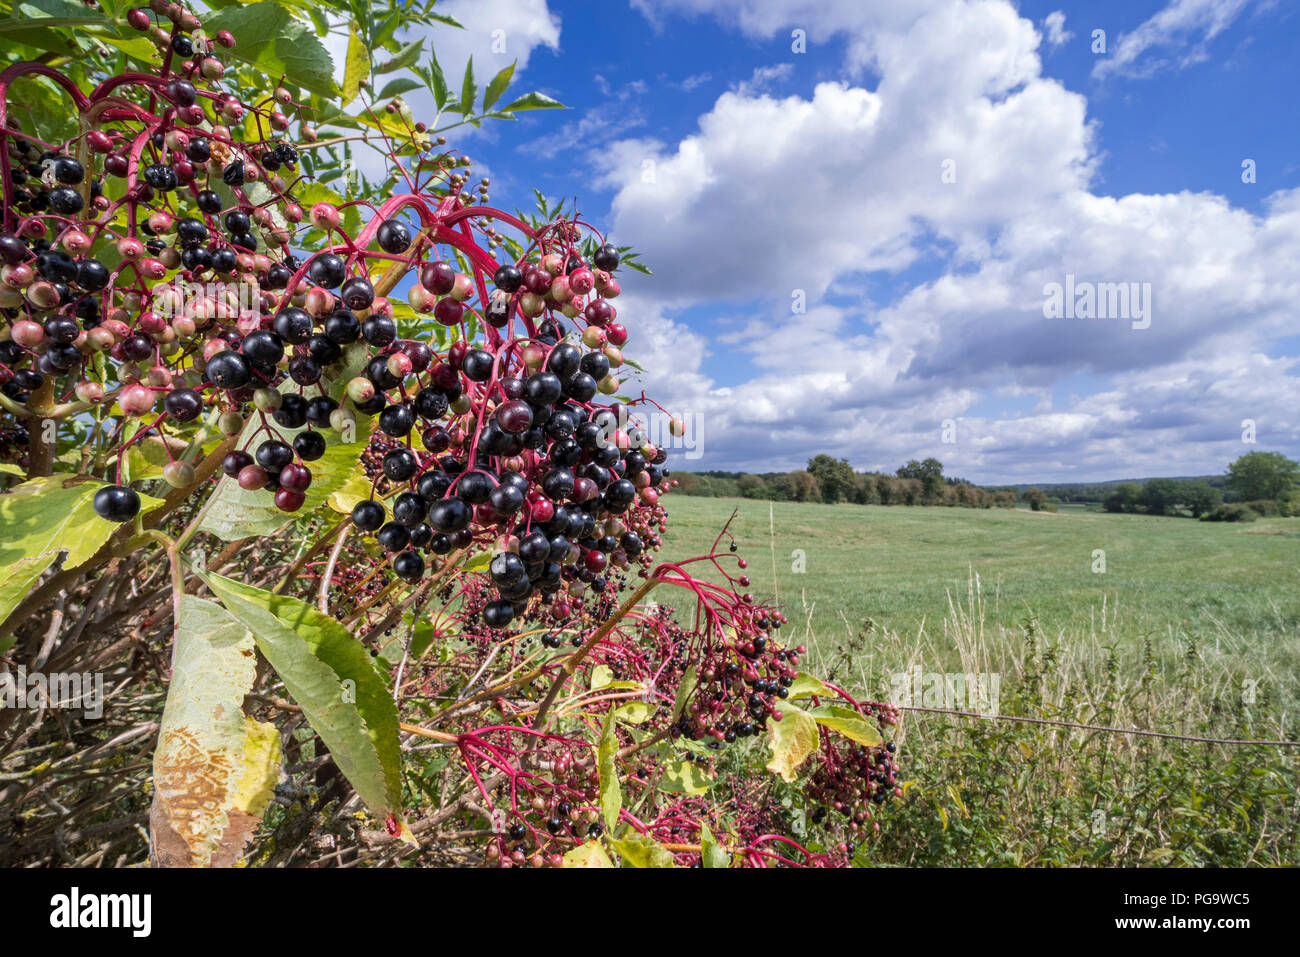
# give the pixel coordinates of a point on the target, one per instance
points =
(1180, 23)
(762, 79)
(824, 192)
(1054, 25)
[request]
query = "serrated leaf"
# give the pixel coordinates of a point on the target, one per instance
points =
(276, 44)
(354, 490)
(498, 86)
(332, 677)
(640, 851)
(214, 770)
(848, 723)
(43, 517)
(791, 739)
(468, 90)
(438, 82)
(805, 686)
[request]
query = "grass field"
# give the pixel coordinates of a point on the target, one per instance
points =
(933, 581)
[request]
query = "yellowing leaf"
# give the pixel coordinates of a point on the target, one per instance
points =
(214, 769)
(591, 854)
(848, 723)
(805, 685)
(685, 777)
(43, 517)
(639, 851)
(634, 712)
(792, 739)
(356, 68)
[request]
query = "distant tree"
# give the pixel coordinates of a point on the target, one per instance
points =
(1122, 498)
(1263, 475)
(1035, 498)
(751, 486)
(1004, 499)
(1159, 496)
(887, 490)
(798, 487)
(911, 491)
(688, 483)
(929, 473)
(864, 490)
(1200, 497)
(835, 476)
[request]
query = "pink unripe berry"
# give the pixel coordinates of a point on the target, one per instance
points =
(136, 399)
(91, 392)
(581, 281)
(325, 216)
(28, 334)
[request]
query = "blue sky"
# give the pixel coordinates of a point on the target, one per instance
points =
(775, 175)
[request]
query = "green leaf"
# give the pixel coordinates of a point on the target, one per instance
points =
(534, 101)
(640, 851)
(404, 58)
(478, 562)
(712, 852)
(591, 854)
(398, 86)
(684, 689)
(214, 770)
(497, 87)
(356, 68)
(438, 83)
(634, 712)
(277, 45)
(611, 796)
(805, 686)
(792, 739)
(685, 777)
(43, 517)
(468, 90)
(848, 723)
(331, 676)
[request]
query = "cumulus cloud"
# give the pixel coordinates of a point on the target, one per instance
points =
(965, 163)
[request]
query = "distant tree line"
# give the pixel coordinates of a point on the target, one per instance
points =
(1258, 483)
(831, 480)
